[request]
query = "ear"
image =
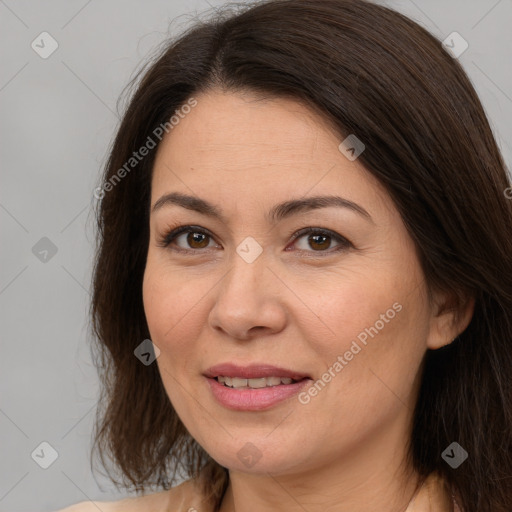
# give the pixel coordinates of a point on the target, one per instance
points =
(450, 317)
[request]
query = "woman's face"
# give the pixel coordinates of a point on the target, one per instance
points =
(345, 306)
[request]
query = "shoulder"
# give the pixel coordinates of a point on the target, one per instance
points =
(180, 498)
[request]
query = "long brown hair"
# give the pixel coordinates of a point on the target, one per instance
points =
(372, 72)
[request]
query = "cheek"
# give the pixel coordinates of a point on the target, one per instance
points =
(172, 305)
(369, 363)
(376, 323)
(342, 308)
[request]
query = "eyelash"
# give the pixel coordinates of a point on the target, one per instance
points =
(171, 235)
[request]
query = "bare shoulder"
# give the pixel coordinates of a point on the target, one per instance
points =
(181, 498)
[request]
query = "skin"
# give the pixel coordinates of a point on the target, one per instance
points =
(296, 306)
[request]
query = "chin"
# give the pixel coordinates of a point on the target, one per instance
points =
(259, 456)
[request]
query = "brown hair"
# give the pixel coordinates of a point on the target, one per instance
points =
(372, 72)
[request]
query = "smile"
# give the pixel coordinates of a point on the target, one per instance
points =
(264, 382)
(253, 387)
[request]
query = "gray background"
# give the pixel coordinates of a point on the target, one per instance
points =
(58, 116)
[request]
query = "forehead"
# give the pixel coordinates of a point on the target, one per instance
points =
(242, 124)
(249, 145)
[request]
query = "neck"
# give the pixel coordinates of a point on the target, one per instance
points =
(265, 492)
(373, 478)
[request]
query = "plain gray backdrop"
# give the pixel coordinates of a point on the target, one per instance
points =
(58, 117)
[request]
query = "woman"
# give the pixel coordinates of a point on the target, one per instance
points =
(303, 283)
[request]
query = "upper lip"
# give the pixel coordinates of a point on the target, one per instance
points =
(253, 371)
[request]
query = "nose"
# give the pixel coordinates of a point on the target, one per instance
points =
(248, 301)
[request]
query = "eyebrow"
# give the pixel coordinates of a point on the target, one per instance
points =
(278, 212)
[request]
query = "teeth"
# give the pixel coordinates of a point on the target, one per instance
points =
(273, 381)
(236, 382)
(257, 383)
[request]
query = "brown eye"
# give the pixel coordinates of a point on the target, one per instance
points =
(320, 241)
(186, 238)
(197, 240)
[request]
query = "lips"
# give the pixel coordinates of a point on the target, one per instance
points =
(253, 397)
(254, 371)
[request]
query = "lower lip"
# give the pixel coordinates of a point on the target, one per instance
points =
(254, 399)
